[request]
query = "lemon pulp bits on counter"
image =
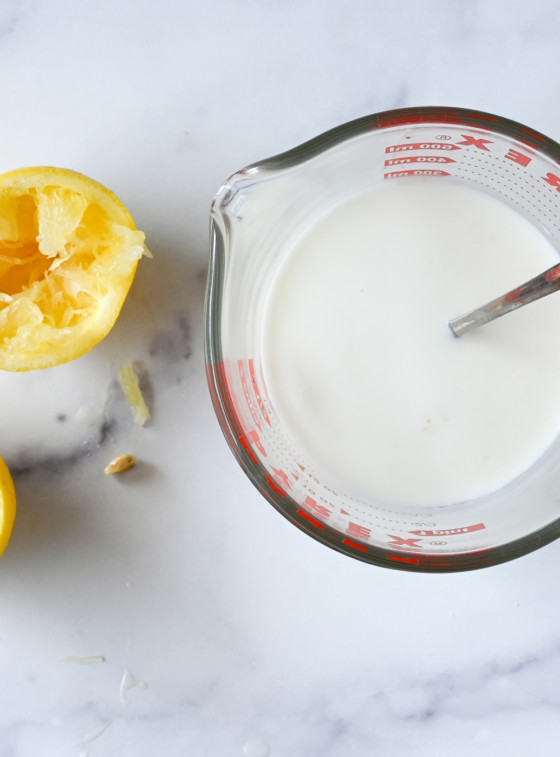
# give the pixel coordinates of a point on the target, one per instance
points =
(68, 254)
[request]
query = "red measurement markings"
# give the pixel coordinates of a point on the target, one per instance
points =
(355, 545)
(470, 141)
(255, 439)
(275, 488)
(419, 159)
(518, 157)
(408, 560)
(357, 531)
(256, 390)
(409, 146)
(248, 399)
(450, 531)
(319, 510)
(281, 477)
(246, 446)
(398, 541)
(553, 180)
(310, 519)
(533, 134)
(415, 172)
(483, 116)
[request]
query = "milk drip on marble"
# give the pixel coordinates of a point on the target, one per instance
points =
(363, 370)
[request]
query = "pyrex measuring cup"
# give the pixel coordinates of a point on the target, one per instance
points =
(255, 219)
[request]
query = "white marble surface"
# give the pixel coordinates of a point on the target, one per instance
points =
(212, 627)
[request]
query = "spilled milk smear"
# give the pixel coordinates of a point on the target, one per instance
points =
(361, 365)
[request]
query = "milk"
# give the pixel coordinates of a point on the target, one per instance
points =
(365, 374)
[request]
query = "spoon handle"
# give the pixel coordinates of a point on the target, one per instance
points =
(543, 284)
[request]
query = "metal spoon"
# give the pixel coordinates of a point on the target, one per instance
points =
(543, 284)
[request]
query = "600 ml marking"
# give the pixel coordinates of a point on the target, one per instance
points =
(421, 146)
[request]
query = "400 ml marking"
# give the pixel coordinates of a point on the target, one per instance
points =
(419, 159)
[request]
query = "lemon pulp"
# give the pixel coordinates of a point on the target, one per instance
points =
(68, 254)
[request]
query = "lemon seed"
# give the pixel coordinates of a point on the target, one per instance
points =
(120, 464)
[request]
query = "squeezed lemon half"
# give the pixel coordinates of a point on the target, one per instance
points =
(68, 254)
(7, 505)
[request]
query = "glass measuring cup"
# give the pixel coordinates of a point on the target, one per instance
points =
(255, 219)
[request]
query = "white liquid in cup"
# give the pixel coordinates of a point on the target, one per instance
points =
(363, 370)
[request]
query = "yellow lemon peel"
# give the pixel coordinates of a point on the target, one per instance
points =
(68, 254)
(7, 505)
